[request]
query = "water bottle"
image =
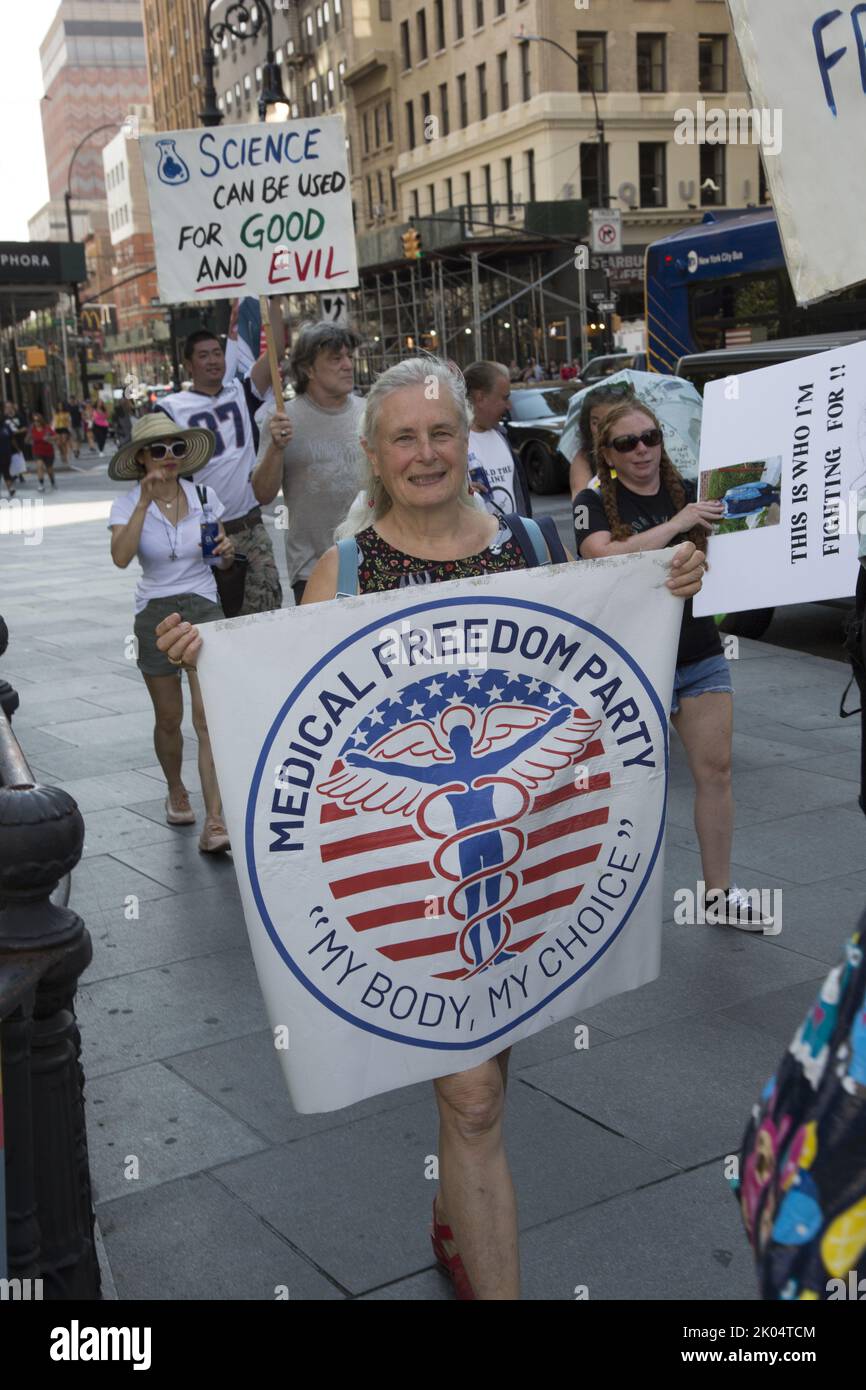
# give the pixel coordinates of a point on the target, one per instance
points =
(210, 533)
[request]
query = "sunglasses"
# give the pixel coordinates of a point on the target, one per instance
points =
(627, 443)
(177, 449)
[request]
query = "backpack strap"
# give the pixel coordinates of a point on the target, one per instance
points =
(347, 574)
(538, 540)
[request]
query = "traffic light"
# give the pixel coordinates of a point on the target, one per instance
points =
(412, 244)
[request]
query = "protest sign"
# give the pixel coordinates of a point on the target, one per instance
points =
(446, 807)
(251, 210)
(785, 449)
(804, 62)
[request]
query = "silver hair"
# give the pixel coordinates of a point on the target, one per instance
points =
(372, 502)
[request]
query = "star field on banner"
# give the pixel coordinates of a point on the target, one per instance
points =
(447, 812)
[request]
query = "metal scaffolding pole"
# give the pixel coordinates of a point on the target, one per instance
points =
(381, 321)
(584, 337)
(413, 273)
(476, 310)
(397, 313)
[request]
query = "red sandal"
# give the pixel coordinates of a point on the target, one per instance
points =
(452, 1265)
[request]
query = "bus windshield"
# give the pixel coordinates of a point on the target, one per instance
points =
(723, 283)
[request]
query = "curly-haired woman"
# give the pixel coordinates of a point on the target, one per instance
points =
(649, 506)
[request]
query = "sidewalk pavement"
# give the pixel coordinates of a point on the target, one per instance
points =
(209, 1186)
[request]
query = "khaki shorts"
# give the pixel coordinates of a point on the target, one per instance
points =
(191, 607)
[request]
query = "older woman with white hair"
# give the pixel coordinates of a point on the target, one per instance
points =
(414, 523)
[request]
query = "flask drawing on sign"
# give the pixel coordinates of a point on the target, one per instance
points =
(171, 167)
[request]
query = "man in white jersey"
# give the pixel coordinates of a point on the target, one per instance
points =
(221, 402)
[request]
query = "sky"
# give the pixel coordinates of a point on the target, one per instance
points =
(23, 176)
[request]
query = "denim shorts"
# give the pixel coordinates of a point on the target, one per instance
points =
(710, 676)
(193, 608)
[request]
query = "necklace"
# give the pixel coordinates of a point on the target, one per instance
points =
(172, 538)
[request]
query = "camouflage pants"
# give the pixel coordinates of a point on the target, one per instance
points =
(262, 590)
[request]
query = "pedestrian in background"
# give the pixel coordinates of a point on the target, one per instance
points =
(8, 446)
(311, 448)
(62, 425)
(594, 406)
(121, 422)
(40, 436)
(495, 470)
(159, 522)
(76, 423)
(100, 426)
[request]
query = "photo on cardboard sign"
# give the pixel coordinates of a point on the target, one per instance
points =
(751, 493)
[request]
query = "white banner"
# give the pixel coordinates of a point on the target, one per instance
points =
(804, 62)
(785, 449)
(446, 807)
(252, 209)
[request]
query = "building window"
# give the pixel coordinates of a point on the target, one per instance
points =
(365, 125)
(410, 125)
(500, 8)
(421, 23)
(488, 191)
(338, 15)
(377, 129)
(651, 62)
(229, 100)
(458, 19)
(431, 193)
(341, 73)
(467, 189)
(712, 63)
(369, 199)
(393, 190)
(449, 193)
(530, 176)
(385, 10)
(479, 14)
(314, 93)
(524, 72)
(481, 74)
(443, 108)
(462, 102)
(509, 181)
(309, 27)
(405, 45)
(712, 176)
(502, 64)
(389, 126)
(439, 23)
(425, 116)
(652, 161)
(593, 182)
(416, 209)
(592, 62)
(381, 188)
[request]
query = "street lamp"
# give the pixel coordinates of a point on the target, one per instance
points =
(67, 198)
(603, 195)
(240, 23)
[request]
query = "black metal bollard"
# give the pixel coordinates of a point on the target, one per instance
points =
(44, 947)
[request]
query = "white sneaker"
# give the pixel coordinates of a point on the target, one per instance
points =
(735, 908)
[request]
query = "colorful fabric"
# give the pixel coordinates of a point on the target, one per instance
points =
(382, 567)
(802, 1185)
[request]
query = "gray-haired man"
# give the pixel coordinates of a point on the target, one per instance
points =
(319, 467)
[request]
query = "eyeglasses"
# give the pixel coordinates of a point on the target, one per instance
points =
(177, 449)
(627, 443)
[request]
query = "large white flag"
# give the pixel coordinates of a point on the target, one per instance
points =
(446, 806)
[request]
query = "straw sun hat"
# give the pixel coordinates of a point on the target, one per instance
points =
(123, 468)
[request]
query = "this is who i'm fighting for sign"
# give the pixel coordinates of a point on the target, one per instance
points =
(251, 210)
(446, 806)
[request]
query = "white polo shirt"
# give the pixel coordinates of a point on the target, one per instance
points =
(229, 414)
(160, 575)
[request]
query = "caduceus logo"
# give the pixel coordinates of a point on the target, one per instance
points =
(461, 764)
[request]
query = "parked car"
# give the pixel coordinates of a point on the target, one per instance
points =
(597, 368)
(537, 419)
(701, 367)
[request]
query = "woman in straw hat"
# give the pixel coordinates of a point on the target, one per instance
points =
(159, 521)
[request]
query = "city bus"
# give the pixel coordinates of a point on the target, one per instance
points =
(723, 283)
